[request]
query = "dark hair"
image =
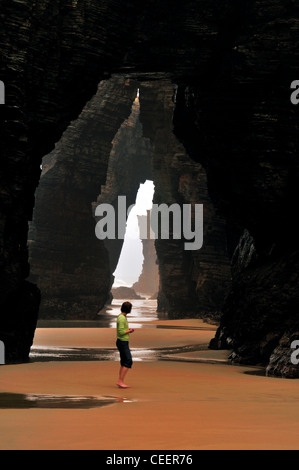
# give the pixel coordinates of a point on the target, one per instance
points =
(126, 307)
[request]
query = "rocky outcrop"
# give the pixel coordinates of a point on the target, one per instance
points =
(123, 292)
(283, 360)
(148, 281)
(239, 123)
(260, 302)
(53, 55)
(68, 262)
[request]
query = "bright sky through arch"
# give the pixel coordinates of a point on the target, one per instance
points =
(130, 261)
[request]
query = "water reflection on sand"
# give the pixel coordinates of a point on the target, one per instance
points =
(52, 353)
(143, 315)
(143, 312)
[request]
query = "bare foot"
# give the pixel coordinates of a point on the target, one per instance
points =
(122, 385)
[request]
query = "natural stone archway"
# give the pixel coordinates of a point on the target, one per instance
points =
(233, 63)
(53, 55)
(72, 268)
(130, 164)
(70, 265)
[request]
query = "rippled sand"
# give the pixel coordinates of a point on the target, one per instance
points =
(188, 400)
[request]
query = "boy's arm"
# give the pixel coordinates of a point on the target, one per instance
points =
(121, 329)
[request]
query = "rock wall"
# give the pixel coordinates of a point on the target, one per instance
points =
(148, 281)
(70, 265)
(53, 54)
(194, 282)
(239, 123)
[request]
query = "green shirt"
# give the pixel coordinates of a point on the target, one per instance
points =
(122, 326)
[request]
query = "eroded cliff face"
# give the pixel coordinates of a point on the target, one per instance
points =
(233, 63)
(148, 281)
(239, 123)
(52, 60)
(72, 268)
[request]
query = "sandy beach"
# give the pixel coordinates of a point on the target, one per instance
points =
(189, 399)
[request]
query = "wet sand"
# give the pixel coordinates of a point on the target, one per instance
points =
(188, 400)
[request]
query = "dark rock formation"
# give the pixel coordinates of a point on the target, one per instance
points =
(261, 300)
(123, 292)
(194, 282)
(74, 270)
(239, 123)
(53, 55)
(148, 281)
(17, 328)
(284, 358)
(70, 265)
(68, 262)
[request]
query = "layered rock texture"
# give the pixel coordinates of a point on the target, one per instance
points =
(148, 281)
(94, 163)
(72, 268)
(232, 64)
(239, 123)
(192, 282)
(68, 262)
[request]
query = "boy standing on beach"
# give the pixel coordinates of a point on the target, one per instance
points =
(123, 331)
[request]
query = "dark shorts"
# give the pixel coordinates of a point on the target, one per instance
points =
(125, 353)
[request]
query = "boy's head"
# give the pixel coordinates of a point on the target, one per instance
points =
(126, 307)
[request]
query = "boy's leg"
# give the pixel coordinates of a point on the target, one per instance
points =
(122, 373)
